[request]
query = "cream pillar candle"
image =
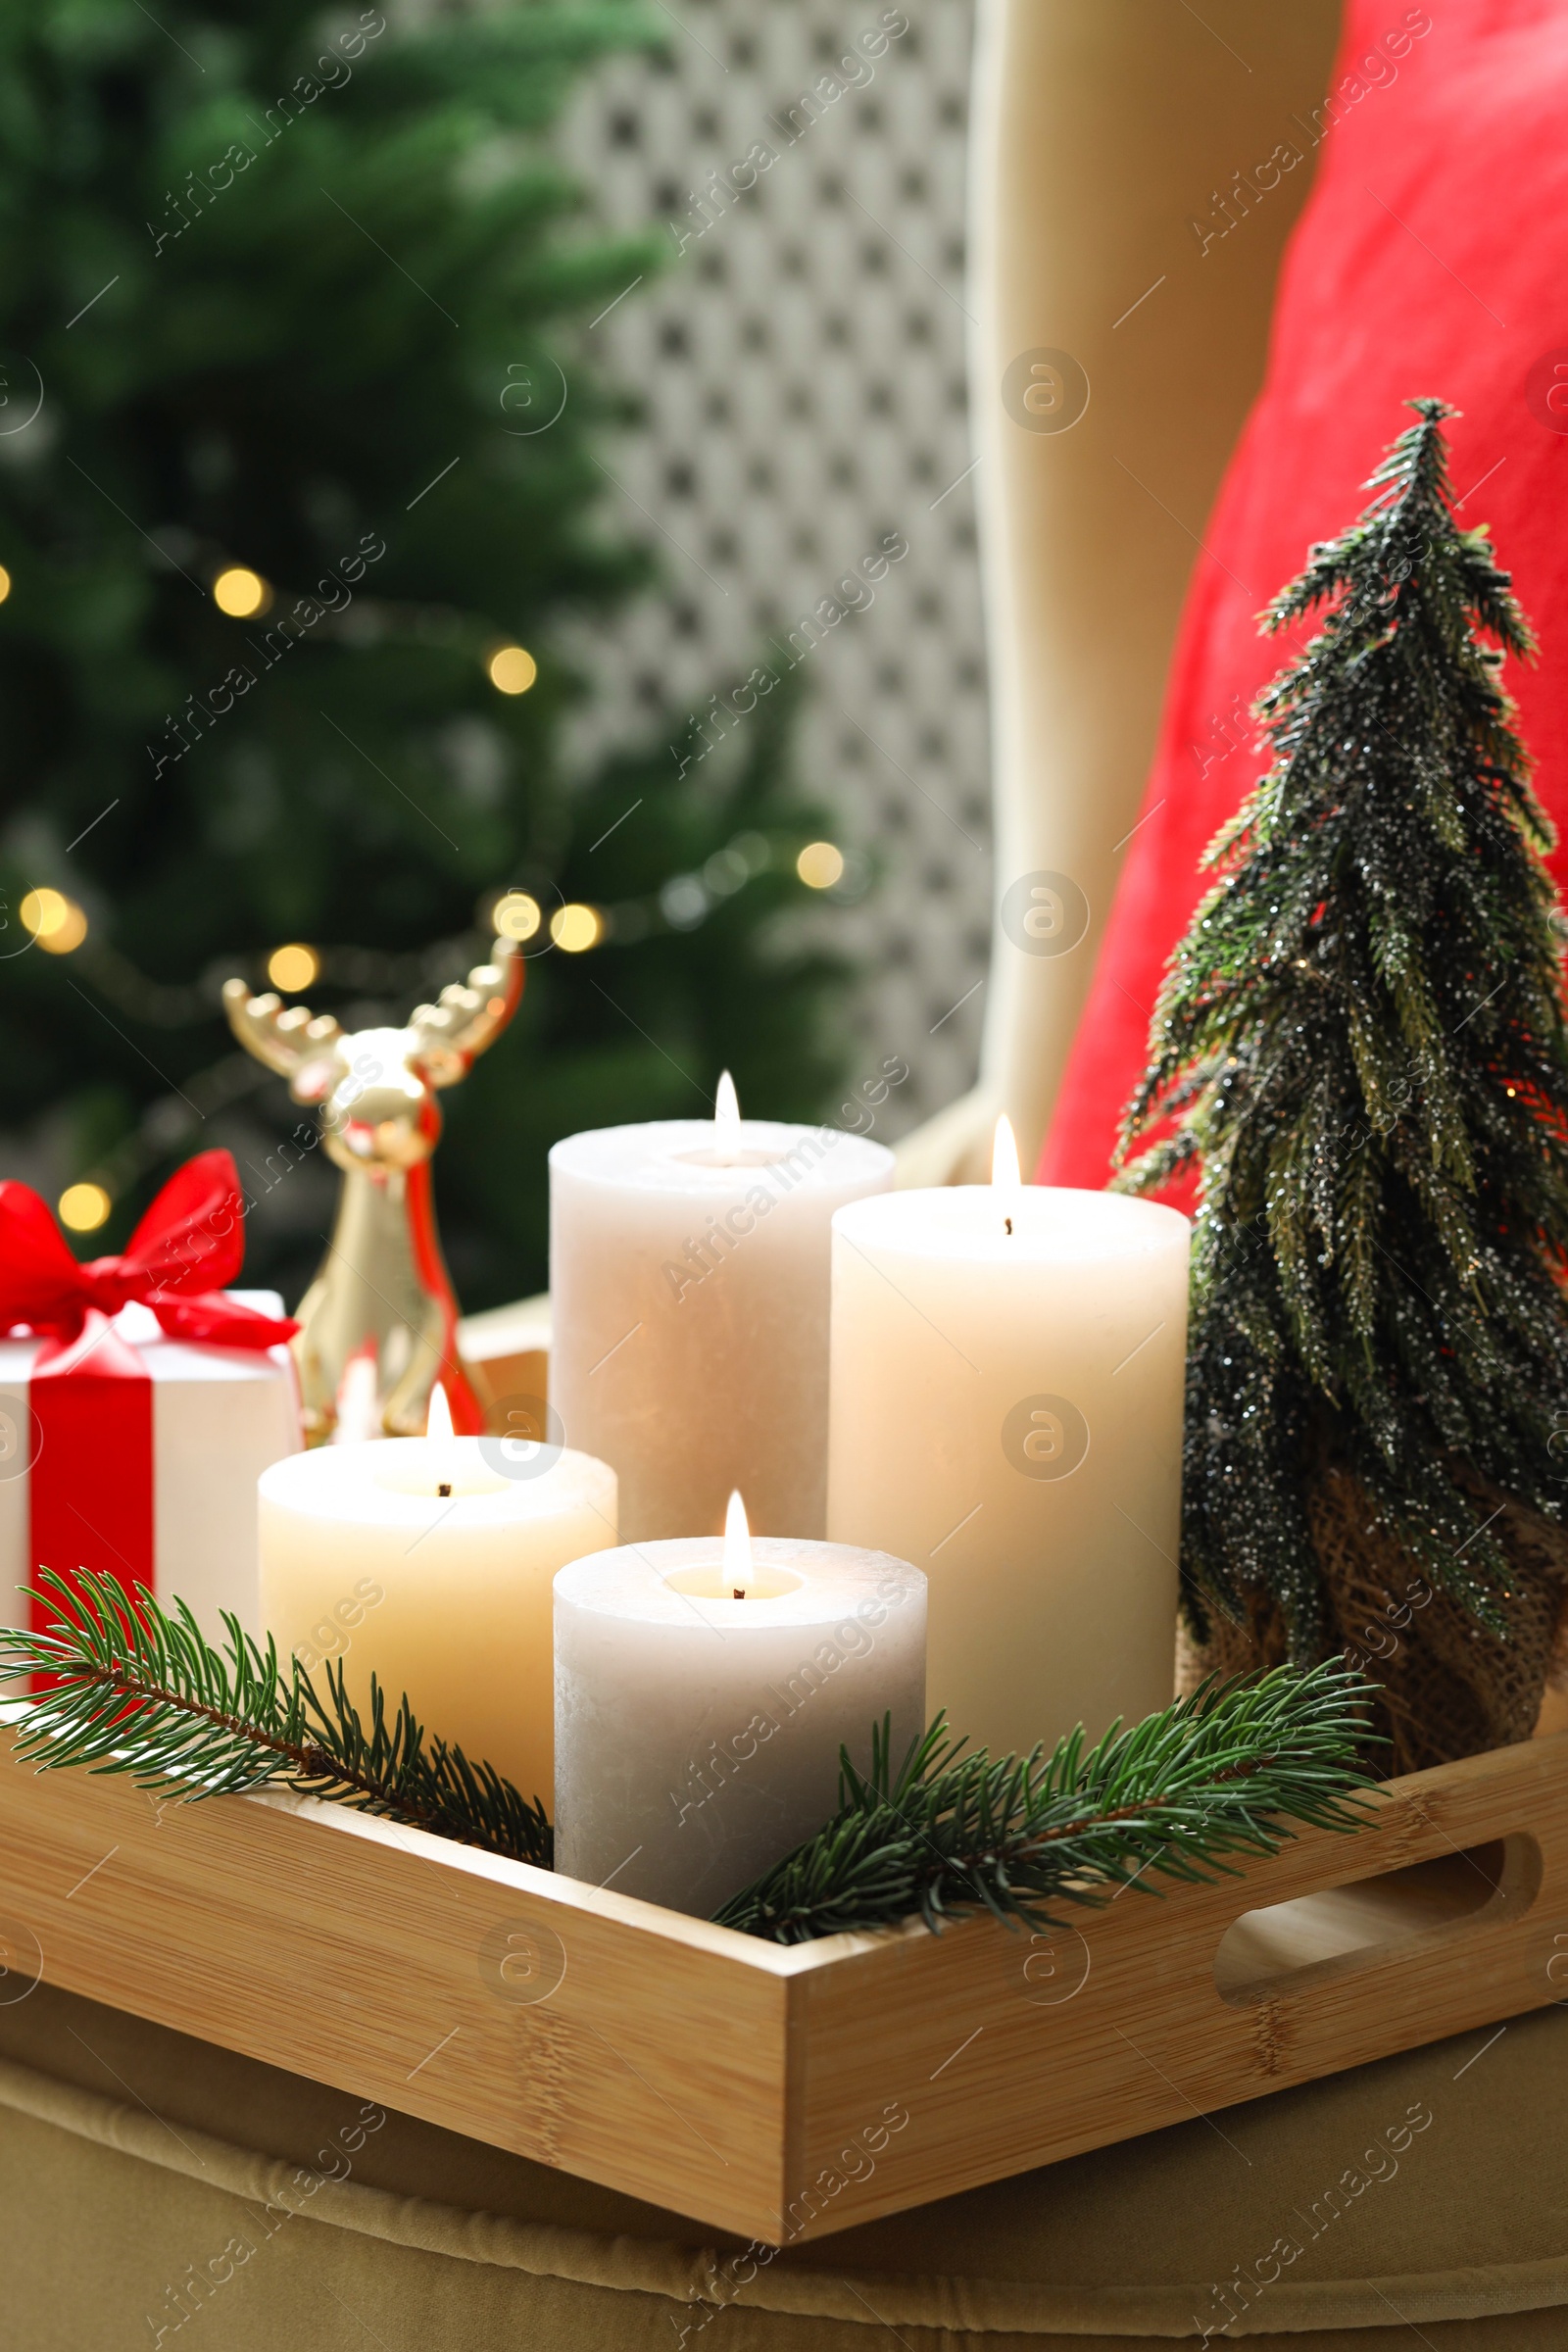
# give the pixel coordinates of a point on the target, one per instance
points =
(702, 1692)
(429, 1561)
(1007, 1412)
(689, 1282)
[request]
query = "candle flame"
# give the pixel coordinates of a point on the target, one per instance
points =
(726, 1118)
(438, 1421)
(1005, 1168)
(737, 1550)
(1006, 1179)
(358, 1405)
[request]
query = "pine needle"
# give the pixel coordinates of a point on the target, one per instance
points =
(1214, 1777)
(138, 1689)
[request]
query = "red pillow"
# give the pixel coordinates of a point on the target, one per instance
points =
(1432, 258)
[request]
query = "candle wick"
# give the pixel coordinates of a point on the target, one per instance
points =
(1008, 1223)
(444, 1488)
(738, 1594)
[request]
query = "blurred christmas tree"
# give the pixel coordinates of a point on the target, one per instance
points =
(297, 490)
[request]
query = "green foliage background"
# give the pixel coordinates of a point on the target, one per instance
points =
(348, 336)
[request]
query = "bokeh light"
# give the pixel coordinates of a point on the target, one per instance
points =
(83, 1207)
(5, 583)
(513, 669)
(576, 927)
(819, 864)
(515, 916)
(240, 592)
(293, 968)
(55, 921)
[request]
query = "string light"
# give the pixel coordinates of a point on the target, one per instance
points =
(821, 864)
(240, 592)
(680, 903)
(514, 913)
(83, 1207)
(513, 669)
(56, 922)
(293, 968)
(515, 916)
(575, 928)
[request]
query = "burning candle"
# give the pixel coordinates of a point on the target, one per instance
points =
(427, 1561)
(1007, 1369)
(703, 1689)
(689, 1276)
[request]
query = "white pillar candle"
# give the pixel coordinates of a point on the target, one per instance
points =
(1007, 1412)
(702, 1692)
(429, 1561)
(689, 1282)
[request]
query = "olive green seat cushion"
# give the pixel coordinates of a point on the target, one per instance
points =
(156, 2190)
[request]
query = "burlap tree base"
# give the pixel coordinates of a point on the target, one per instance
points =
(1448, 1687)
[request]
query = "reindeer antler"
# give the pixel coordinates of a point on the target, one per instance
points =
(295, 1041)
(450, 1034)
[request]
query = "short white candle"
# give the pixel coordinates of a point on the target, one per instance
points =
(689, 1280)
(702, 1692)
(1007, 1411)
(429, 1561)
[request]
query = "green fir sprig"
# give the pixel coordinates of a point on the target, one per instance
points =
(1220, 1774)
(138, 1689)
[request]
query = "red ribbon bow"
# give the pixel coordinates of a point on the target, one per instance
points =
(90, 1485)
(188, 1246)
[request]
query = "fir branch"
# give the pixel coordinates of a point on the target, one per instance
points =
(138, 1689)
(1220, 1774)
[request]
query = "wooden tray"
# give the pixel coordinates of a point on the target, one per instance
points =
(783, 2094)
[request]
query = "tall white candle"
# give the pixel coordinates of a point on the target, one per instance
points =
(702, 1692)
(689, 1279)
(1007, 1412)
(429, 1561)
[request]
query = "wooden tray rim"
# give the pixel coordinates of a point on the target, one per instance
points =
(1246, 1874)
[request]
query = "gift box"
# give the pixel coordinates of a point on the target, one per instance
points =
(140, 1400)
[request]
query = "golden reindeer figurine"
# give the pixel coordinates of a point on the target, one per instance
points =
(378, 1324)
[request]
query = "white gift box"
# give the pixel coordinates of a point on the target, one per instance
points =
(219, 1416)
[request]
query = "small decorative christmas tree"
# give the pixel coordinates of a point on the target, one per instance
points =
(1361, 1041)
